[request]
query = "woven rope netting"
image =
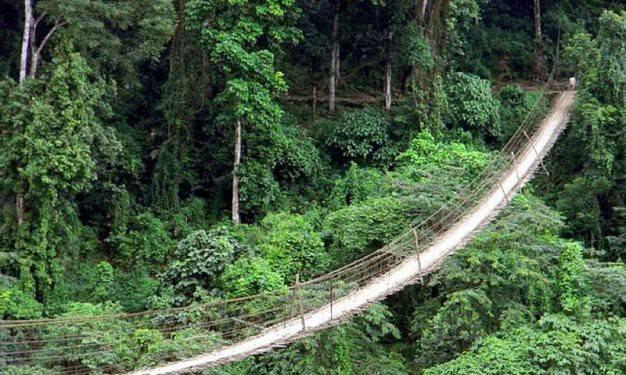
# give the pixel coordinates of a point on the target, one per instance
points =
(120, 342)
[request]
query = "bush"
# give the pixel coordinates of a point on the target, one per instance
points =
(259, 191)
(146, 242)
(189, 218)
(471, 104)
(292, 246)
(249, 276)
(357, 185)
(556, 345)
(413, 50)
(427, 153)
(360, 228)
(297, 156)
(359, 135)
(515, 105)
(580, 53)
(134, 289)
(102, 282)
(200, 259)
(15, 304)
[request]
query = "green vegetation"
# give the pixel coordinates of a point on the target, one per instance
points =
(158, 154)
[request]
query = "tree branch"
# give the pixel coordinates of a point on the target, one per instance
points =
(39, 19)
(37, 52)
(54, 28)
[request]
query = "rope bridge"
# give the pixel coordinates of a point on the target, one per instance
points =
(214, 333)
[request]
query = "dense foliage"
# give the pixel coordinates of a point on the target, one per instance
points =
(128, 128)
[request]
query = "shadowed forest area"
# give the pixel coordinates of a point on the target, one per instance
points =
(166, 153)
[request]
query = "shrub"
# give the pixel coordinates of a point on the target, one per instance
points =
(413, 50)
(146, 241)
(249, 276)
(15, 304)
(359, 135)
(109, 333)
(357, 185)
(471, 104)
(259, 191)
(102, 282)
(297, 156)
(426, 153)
(134, 289)
(515, 105)
(200, 259)
(189, 218)
(292, 246)
(360, 228)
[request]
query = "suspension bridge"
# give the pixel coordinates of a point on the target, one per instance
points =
(201, 336)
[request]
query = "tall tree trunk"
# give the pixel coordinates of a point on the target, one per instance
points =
(538, 68)
(34, 51)
(388, 72)
(422, 12)
(28, 22)
(235, 206)
(19, 206)
(34, 63)
(26, 38)
(334, 61)
(314, 101)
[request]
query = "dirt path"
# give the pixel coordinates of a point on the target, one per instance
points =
(405, 273)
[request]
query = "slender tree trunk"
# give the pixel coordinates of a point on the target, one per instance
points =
(28, 22)
(388, 72)
(34, 63)
(422, 12)
(26, 40)
(314, 101)
(34, 51)
(538, 68)
(334, 61)
(235, 207)
(19, 207)
(388, 86)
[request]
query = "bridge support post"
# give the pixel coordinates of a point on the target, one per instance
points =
(515, 166)
(506, 197)
(536, 153)
(299, 298)
(417, 250)
(330, 298)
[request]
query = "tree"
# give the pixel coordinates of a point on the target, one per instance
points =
(291, 246)
(572, 281)
(125, 32)
(357, 347)
(593, 162)
(333, 77)
(504, 278)
(50, 157)
(28, 20)
(359, 135)
(557, 345)
(240, 36)
(94, 25)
